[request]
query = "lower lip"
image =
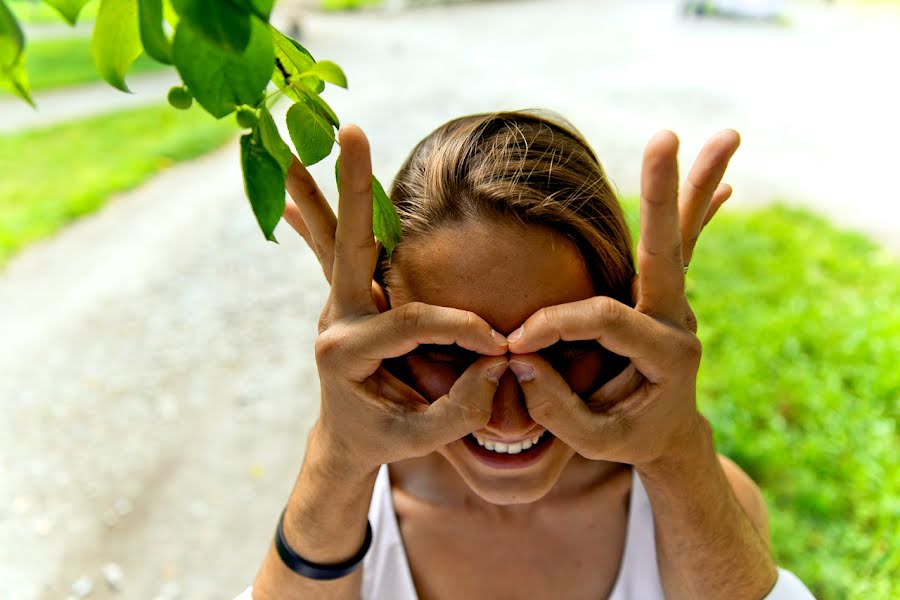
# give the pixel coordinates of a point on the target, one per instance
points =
(510, 461)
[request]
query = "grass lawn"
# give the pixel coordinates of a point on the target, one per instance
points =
(800, 377)
(68, 61)
(56, 175)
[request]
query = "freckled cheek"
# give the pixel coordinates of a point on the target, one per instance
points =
(430, 379)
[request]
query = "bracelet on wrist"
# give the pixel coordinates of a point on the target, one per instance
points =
(311, 570)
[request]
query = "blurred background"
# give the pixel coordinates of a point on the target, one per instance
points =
(156, 372)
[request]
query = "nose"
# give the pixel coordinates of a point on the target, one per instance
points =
(509, 415)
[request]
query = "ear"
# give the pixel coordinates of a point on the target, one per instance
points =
(379, 296)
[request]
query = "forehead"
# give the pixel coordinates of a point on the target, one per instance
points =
(501, 271)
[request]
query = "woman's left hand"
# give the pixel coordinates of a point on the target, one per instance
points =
(649, 410)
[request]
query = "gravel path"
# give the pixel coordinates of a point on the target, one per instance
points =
(156, 372)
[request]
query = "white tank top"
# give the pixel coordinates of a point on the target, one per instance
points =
(386, 571)
(386, 574)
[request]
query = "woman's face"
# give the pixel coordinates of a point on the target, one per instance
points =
(503, 272)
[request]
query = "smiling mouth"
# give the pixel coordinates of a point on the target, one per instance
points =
(503, 448)
(504, 459)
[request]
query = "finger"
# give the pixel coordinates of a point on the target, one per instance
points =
(659, 249)
(701, 184)
(628, 332)
(723, 193)
(553, 404)
(462, 410)
(316, 213)
(361, 346)
(295, 220)
(354, 247)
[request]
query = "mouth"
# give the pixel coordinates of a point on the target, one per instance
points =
(504, 460)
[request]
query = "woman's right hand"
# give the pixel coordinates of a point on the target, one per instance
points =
(368, 416)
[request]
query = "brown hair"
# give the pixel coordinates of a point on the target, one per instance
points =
(531, 166)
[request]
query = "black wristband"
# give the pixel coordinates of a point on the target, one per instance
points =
(301, 566)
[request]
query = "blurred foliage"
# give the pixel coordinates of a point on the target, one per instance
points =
(67, 61)
(800, 378)
(36, 12)
(348, 4)
(69, 170)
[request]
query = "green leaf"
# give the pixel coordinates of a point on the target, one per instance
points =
(323, 108)
(328, 71)
(311, 131)
(221, 22)
(261, 8)
(69, 9)
(221, 80)
(291, 59)
(385, 222)
(154, 39)
(116, 42)
(12, 55)
(303, 82)
(271, 140)
(337, 173)
(263, 183)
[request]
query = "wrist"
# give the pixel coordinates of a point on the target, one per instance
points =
(333, 459)
(690, 449)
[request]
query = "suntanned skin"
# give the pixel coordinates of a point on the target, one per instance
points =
(501, 530)
(710, 521)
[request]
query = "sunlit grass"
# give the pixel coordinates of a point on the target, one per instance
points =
(67, 61)
(800, 376)
(55, 175)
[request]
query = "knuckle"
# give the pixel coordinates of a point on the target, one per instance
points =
(470, 320)
(327, 344)
(691, 347)
(411, 316)
(605, 310)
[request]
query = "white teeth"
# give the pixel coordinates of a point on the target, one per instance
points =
(502, 448)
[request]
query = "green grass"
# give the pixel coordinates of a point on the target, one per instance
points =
(53, 176)
(34, 12)
(68, 61)
(800, 376)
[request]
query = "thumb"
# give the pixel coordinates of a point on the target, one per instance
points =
(553, 404)
(465, 408)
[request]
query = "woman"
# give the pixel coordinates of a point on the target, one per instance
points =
(533, 397)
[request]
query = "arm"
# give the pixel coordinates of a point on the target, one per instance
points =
(749, 497)
(707, 545)
(325, 522)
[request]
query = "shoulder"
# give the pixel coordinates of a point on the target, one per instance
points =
(748, 495)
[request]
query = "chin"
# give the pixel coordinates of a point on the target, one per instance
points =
(507, 487)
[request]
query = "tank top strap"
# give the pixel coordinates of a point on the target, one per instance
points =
(386, 572)
(638, 577)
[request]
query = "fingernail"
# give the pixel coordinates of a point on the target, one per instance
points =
(523, 372)
(494, 372)
(515, 335)
(498, 338)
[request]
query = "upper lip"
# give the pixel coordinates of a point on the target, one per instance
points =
(490, 439)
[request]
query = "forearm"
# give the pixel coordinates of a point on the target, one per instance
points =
(707, 546)
(324, 522)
